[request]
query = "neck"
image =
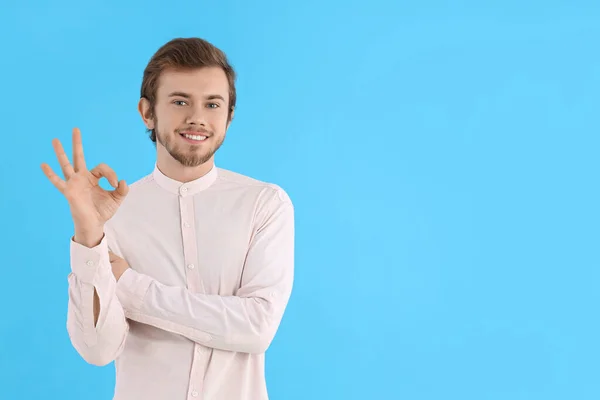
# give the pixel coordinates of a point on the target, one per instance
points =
(175, 170)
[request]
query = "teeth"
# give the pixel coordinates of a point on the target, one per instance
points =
(195, 137)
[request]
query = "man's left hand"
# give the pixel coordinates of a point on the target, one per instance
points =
(118, 264)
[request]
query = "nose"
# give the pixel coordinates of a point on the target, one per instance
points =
(196, 116)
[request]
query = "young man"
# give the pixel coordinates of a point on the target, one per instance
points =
(181, 278)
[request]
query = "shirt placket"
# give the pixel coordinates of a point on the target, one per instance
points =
(193, 281)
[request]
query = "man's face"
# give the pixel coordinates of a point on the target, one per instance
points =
(190, 115)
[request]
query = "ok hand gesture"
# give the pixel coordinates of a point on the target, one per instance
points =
(91, 206)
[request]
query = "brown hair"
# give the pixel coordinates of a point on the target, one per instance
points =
(185, 53)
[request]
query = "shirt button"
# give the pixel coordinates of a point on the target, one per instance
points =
(194, 394)
(90, 263)
(187, 225)
(191, 266)
(184, 189)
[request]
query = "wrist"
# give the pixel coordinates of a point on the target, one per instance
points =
(89, 237)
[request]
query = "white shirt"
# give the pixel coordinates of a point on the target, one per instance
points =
(211, 273)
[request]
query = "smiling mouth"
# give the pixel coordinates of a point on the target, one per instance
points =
(194, 138)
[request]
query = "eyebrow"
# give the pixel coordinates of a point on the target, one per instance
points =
(187, 96)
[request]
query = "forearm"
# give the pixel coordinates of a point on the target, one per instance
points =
(95, 320)
(231, 323)
(90, 239)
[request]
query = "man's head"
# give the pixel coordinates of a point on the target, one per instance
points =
(188, 93)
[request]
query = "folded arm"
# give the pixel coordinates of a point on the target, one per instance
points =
(246, 322)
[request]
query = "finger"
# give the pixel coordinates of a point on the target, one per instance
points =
(78, 158)
(55, 179)
(121, 191)
(63, 160)
(104, 171)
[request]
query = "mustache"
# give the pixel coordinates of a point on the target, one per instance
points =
(195, 130)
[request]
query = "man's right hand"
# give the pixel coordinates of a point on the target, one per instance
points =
(90, 205)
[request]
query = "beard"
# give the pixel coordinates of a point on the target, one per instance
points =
(190, 155)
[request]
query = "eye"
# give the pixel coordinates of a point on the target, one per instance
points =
(179, 101)
(213, 105)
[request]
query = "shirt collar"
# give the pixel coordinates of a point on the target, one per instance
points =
(184, 189)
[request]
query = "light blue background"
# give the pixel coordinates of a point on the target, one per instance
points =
(442, 156)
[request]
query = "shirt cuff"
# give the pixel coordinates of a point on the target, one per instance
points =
(87, 261)
(132, 288)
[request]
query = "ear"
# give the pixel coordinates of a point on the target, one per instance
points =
(230, 119)
(146, 113)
